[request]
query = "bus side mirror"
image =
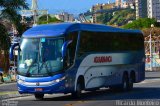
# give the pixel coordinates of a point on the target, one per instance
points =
(11, 50)
(64, 47)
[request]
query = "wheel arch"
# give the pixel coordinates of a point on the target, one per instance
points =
(125, 73)
(80, 80)
(133, 75)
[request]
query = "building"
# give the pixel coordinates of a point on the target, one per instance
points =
(153, 8)
(100, 7)
(141, 8)
(124, 3)
(148, 8)
(131, 1)
(118, 3)
(66, 17)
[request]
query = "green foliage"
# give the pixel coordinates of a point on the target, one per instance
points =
(9, 11)
(140, 23)
(4, 38)
(119, 18)
(104, 18)
(43, 19)
(4, 47)
(122, 17)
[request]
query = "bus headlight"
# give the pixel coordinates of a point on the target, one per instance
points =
(20, 81)
(59, 80)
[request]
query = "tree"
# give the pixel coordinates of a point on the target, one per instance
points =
(9, 11)
(141, 23)
(120, 17)
(43, 19)
(4, 47)
(104, 18)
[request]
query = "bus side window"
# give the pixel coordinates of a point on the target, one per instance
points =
(72, 47)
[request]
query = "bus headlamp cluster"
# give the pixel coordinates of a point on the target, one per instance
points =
(20, 81)
(59, 80)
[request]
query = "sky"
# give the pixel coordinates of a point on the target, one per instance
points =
(71, 6)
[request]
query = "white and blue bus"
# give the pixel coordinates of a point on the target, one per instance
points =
(71, 57)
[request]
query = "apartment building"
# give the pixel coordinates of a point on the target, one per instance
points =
(141, 8)
(66, 17)
(153, 8)
(118, 3)
(124, 3)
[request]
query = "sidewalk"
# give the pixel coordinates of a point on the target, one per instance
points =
(152, 74)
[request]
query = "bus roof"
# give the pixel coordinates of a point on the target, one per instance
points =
(51, 30)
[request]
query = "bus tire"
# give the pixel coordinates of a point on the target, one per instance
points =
(125, 83)
(113, 88)
(39, 96)
(131, 81)
(130, 84)
(77, 93)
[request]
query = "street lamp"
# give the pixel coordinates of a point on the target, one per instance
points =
(150, 43)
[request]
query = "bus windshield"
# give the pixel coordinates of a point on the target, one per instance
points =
(40, 56)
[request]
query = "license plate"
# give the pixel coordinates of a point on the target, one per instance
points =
(38, 89)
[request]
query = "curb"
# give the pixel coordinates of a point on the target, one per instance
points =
(7, 96)
(151, 71)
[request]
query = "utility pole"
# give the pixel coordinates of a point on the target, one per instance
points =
(150, 44)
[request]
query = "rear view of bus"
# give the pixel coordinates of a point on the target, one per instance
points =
(69, 58)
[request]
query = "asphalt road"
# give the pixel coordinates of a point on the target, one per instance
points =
(7, 87)
(146, 93)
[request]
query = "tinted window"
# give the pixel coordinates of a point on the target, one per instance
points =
(109, 42)
(72, 47)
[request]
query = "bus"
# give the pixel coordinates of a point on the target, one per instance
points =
(71, 57)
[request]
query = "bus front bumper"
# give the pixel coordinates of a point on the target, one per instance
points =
(41, 87)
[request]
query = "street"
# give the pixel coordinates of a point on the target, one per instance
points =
(147, 90)
(8, 87)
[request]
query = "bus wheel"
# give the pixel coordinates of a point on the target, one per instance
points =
(125, 83)
(113, 88)
(77, 93)
(39, 96)
(130, 87)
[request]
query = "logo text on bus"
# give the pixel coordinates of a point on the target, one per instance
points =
(102, 59)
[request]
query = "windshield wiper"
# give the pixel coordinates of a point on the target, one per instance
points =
(46, 67)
